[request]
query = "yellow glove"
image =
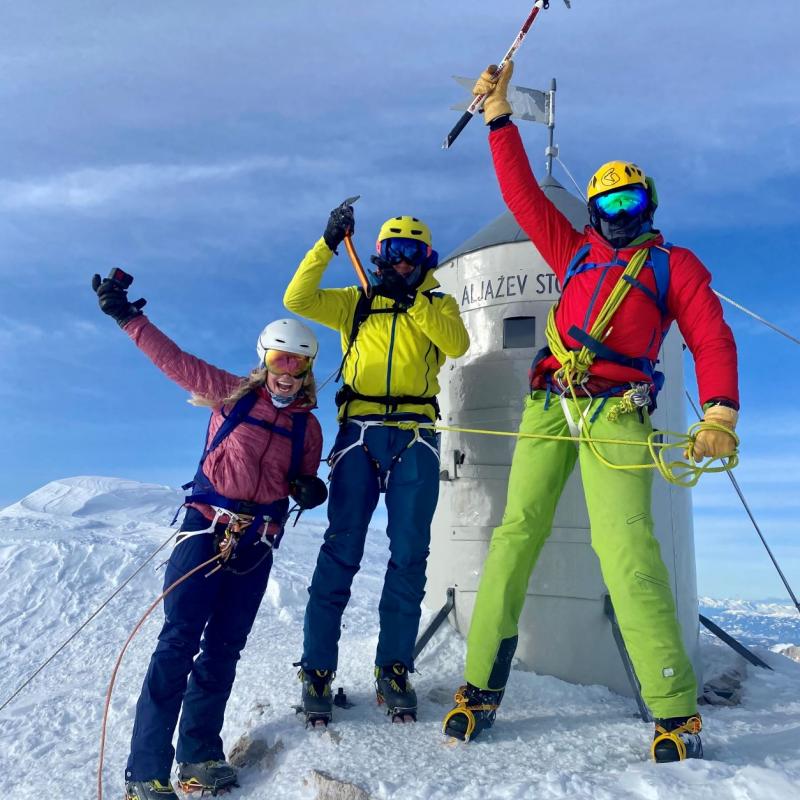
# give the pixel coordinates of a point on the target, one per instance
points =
(496, 104)
(713, 443)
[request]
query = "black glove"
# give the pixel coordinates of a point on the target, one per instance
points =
(112, 294)
(340, 222)
(393, 285)
(308, 491)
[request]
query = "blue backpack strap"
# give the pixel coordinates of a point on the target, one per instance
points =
(659, 255)
(602, 350)
(299, 425)
(576, 265)
(236, 415)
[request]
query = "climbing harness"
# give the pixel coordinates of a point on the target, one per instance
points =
(383, 475)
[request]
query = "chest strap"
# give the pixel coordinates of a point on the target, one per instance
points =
(347, 394)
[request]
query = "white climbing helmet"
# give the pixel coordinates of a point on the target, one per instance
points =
(289, 335)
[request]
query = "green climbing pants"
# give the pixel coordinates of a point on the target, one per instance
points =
(622, 537)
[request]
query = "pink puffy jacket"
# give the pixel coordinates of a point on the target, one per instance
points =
(251, 463)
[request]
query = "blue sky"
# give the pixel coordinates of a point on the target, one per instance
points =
(201, 146)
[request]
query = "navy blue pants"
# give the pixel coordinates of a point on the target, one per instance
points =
(412, 490)
(220, 609)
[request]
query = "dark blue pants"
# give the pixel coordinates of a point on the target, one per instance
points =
(220, 608)
(411, 494)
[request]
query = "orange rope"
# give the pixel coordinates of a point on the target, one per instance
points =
(105, 602)
(223, 554)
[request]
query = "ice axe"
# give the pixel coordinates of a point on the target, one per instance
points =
(476, 104)
(363, 279)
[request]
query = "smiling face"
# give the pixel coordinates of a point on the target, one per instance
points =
(284, 385)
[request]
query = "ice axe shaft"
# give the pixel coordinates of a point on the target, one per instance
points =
(354, 259)
(476, 104)
(357, 266)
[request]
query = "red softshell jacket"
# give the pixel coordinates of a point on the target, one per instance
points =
(251, 463)
(637, 326)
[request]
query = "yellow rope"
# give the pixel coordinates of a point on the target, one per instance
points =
(677, 472)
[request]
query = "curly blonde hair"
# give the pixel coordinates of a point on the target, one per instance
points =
(255, 380)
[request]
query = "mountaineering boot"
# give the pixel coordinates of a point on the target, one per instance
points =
(394, 689)
(317, 698)
(207, 776)
(150, 790)
(677, 738)
(475, 711)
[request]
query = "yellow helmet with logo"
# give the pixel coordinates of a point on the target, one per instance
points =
(616, 175)
(405, 228)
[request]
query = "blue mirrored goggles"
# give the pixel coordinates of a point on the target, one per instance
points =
(632, 202)
(412, 251)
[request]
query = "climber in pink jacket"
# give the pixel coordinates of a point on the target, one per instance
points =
(262, 447)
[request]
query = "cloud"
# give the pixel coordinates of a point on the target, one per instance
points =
(94, 186)
(24, 341)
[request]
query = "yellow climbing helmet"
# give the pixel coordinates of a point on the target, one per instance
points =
(616, 175)
(405, 228)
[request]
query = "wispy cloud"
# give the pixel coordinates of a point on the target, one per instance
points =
(22, 335)
(93, 187)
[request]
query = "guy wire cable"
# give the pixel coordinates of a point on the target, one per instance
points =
(753, 520)
(755, 316)
(91, 617)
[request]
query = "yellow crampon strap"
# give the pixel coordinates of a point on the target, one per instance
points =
(468, 711)
(692, 725)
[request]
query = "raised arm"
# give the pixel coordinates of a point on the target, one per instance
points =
(186, 370)
(549, 230)
(330, 307)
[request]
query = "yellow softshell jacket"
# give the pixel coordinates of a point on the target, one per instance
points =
(394, 354)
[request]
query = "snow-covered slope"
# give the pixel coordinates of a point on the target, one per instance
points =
(66, 547)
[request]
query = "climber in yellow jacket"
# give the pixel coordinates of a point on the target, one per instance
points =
(394, 344)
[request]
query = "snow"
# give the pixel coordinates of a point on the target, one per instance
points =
(67, 547)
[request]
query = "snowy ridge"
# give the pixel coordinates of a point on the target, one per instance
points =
(67, 546)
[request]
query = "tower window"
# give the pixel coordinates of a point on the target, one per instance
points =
(519, 332)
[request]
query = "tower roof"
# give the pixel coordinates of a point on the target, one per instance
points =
(504, 229)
